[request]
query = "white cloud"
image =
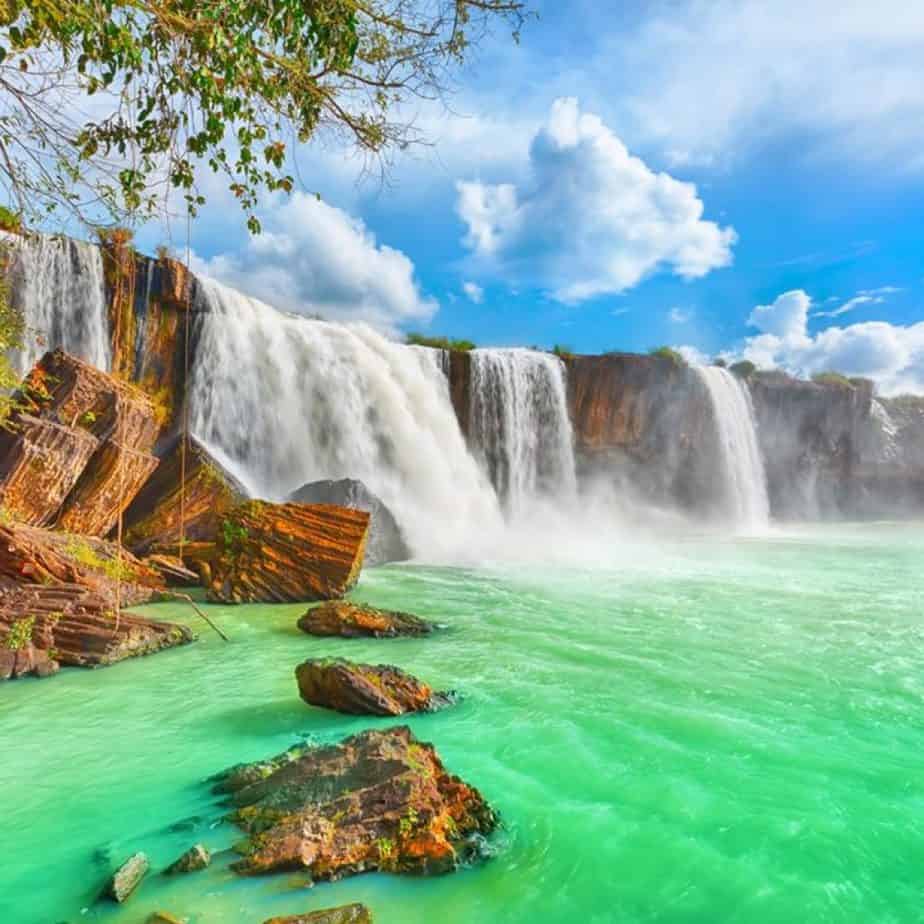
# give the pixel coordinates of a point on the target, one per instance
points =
(863, 297)
(588, 218)
(474, 292)
(679, 315)
(890, 354)
(692, 355)
(706, 78)
(313, 258)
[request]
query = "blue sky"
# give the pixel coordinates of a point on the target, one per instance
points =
(622, 180)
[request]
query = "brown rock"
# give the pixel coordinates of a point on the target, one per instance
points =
(355, 620)
(73, 626)
(153, 519)
(364, 689)
(31, 555)
(163, 917)
(282, 553)
(345, 914)
(127, 877)
(380, 800)
(196, 858)
(172, 570)
(18, 662)
(40, 462)
(113, 476)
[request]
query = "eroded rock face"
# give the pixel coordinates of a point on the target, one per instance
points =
(345, 914)
(344, 619)
(20, 662)
(386, 542)
(381, 800)
(283, 553)
(40, 462)
(153, 519)
(31, 555)
(364, 689)
(69, 625)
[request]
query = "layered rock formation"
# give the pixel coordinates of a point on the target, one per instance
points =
(32, 555)
(345, 914)
(357, 620)
(152, 521)
(381, 800)
(386, 542)
(364, 689)
(73, 626)
(282, 553)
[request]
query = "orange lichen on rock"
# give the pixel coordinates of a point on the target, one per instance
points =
(381, 800)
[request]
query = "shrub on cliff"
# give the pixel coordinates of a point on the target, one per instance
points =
(832, 378)
(439, 343)
(669, 354)
(744, 369)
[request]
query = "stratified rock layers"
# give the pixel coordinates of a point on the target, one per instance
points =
(344, 619)
(279, 553)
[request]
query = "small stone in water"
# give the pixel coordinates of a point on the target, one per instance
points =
(127, 877)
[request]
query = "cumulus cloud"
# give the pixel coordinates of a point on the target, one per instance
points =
(890, 354)
(588, 218)
(474, 292)
(313, 258)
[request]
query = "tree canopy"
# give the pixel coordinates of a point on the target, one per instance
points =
(107, 105)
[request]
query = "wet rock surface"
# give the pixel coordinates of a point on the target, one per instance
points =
(386, 542)
(127, 877)
(380, 800)
(344, 619)
(364, 689)
(345, 914)
(196, 858)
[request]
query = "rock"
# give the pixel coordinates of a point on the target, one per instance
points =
(127, 877)
(20, 661)
(196, 858)
(76, 627)
(283, 553)
(345, 914)
(162, 917)
(172, 570)
(355, 620)
(364, 689)
(31, 555)
(40, 462)
(386, 542)
(152, 521)
(380, 800)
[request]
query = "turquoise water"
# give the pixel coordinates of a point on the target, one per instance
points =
(704, 731)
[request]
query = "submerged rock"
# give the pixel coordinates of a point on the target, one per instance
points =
(282, 553)
(355, 620)
(345, 914)
(386, 541)
(127, 877)
(196, 858)
(163, 917)
(364, 689)
(380, 800)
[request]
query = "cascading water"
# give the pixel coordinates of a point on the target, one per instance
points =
(519, 425)
(59, 287)
(290, 400)
(745, 482)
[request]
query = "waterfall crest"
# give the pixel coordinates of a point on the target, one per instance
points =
(745, 481)
(59, 287)
(519, 425)
(290, 400)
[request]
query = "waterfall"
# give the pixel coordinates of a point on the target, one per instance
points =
(745, 482)
(519, 424)
(290, 400)
(58, 285)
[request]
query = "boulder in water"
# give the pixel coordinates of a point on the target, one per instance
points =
(127, 877)
(364, 689)
(344, 619)
(196, 858)
(380, 800)
(345, 914)
(386, 542)
(282, 553)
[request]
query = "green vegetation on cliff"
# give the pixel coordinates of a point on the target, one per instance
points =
(439, 343)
